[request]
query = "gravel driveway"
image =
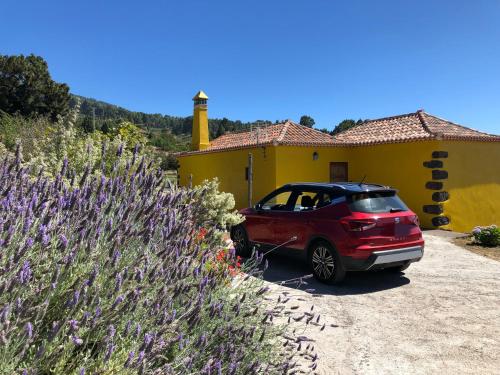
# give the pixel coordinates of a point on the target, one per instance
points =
(441, 316)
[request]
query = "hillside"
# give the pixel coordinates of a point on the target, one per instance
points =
(175, 125)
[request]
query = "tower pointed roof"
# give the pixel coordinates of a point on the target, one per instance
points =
(200, 95)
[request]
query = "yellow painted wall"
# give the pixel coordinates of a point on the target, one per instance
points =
(296, 164)
(229, 168)
(399, 165)
(473, 168)
(199, 140)
(473, 184)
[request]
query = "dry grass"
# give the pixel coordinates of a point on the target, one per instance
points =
(489, 252)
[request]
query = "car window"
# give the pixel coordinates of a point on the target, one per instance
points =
(376, 202)
(311, 200)
(279, 202)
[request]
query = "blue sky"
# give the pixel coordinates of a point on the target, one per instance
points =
(271, 59)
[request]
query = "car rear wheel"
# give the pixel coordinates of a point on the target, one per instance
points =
(325, 263)
(240, 240)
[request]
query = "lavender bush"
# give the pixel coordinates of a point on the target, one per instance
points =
(107, 275)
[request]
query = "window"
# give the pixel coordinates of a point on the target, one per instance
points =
(279, 202)
(311, 200)
(376, 202)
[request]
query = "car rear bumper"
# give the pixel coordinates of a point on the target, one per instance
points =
(385, 258)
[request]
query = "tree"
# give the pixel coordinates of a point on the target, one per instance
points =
(307, 121)
(345, 125)
(27, 88)
(88, 124)
(169, 163)
(132, 135)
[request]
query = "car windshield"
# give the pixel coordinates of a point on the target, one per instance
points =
(376, 202)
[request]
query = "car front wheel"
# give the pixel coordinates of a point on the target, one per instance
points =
(325, 263)
(240, 240)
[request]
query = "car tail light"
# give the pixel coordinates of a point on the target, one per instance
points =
(415, 220)
(359, 225)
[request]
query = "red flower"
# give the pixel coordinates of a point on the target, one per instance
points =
(201, 234)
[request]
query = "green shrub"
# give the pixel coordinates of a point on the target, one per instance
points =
(114, 276)
(487, 236)
(47, 145)
(216, 207)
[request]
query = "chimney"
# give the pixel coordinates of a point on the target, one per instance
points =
(199, 136)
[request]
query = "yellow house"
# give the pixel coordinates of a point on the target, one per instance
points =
(446, 173)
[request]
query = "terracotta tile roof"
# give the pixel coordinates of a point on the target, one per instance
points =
(449, 130)
(409, 127)
(403, 128)
(286, 133)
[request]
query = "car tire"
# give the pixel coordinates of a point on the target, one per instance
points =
(325, 263)
(240, 240)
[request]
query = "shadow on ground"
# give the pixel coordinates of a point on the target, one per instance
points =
(290, 266)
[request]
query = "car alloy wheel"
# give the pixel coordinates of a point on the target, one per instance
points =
(326, 263)
(323, 263)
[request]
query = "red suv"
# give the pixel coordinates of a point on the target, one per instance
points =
(339, 226)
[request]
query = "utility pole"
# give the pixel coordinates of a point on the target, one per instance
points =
(250, 178)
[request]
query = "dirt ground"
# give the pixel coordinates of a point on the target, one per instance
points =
(490, 252)
(441, 316)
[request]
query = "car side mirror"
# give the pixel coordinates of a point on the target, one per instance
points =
(258, 207)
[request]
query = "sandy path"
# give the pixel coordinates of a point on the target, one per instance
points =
(441, 316)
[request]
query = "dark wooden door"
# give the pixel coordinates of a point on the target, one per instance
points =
(338, 172)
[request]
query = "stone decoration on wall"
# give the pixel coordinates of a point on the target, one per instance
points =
(434, 185)
(435, 209)
(438, 174)
(433, 164)
(439, 154)
(440, 220)
(437, 196)
(440, 196)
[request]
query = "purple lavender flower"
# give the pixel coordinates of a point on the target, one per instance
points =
(118, 300)
(29, 242)
(118, 282)
(19, 304)
(53, 332)
(73, 325)
(76, 340)
(86, 316)
(25, 273)
(27, 224)
(111, 331)
(140, 357)
(75, 299)
(137, 330)
(116, 256)
(139, 275)
(127, 328)
(45, 239)
(63, 241)
(129, 360)
(29, 330)
(109, 351)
